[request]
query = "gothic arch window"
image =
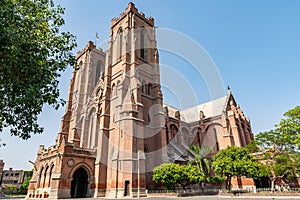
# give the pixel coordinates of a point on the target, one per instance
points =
(143, 43)
(240, 134)
(98, 71)
(199, 137)
(146, 148)
(113, 90)
(80, 131)
(78, 78)
(196, 132)
(40, 177)
(149, 89)
(45, 177)
(186, 136)
(120, 44)
(243, 127)
(167, 134)
(211, 139)
(92, 128)
(148, 118)
(50, 175)
(244, 132)
(143, 87)
(174, 131)
(216, 138)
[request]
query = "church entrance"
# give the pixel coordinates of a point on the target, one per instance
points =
(79, 183)
(126, 189)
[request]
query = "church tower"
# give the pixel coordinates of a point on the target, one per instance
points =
(136, 117)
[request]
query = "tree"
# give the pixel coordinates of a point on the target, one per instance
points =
(170, 174)
(33, 52)
(217, 180)
(236, 161)
(280, 148)
(24, 187)
(195, 175)
(203, 163)
(289, 127)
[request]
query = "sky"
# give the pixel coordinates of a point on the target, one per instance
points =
(255, 46)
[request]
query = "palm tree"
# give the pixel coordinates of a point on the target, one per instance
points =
(203, 163)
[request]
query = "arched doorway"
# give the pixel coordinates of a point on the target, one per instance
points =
(79, 183)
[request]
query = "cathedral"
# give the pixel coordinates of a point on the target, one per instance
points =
(116, 128)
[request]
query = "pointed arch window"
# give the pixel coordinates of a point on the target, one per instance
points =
(186, 136)
(50, 176)
(92, 129)
(120, 44)
(40, 178)
(98, 70)
(113, 91)
(149, 89)
(143, 87)
(174, 131)
(216, 138)
(45, 177)
(143, 43)
(199, 137)
(78, 77)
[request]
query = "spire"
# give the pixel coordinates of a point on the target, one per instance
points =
(228, 90)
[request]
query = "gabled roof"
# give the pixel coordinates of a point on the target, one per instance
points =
(210, 109)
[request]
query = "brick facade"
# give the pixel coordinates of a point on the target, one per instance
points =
(116, 127)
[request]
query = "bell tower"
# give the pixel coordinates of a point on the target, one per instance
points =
(136, 117)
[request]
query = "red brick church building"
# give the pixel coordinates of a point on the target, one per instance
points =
(116, 128)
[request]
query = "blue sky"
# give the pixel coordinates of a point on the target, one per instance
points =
(254, 44)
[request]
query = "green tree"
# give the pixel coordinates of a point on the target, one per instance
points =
(24, 187)
(33, 53)
(218, 180)
(194, 174)
(202, 162)
(236, 161)
(280, 148)
(279, 161)
(170, 174)
(289, 128)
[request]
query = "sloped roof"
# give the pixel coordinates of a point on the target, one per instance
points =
(210, 109)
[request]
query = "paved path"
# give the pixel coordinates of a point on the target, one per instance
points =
(207, 198)
(197, 198)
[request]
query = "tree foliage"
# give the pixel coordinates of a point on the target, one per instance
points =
(280, 148)
(195, 175)
(236, 161)
(202, 162)
(170, 174)
(33, 52)
(24, 187)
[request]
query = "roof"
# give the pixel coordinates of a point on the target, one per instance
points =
(210, 109)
